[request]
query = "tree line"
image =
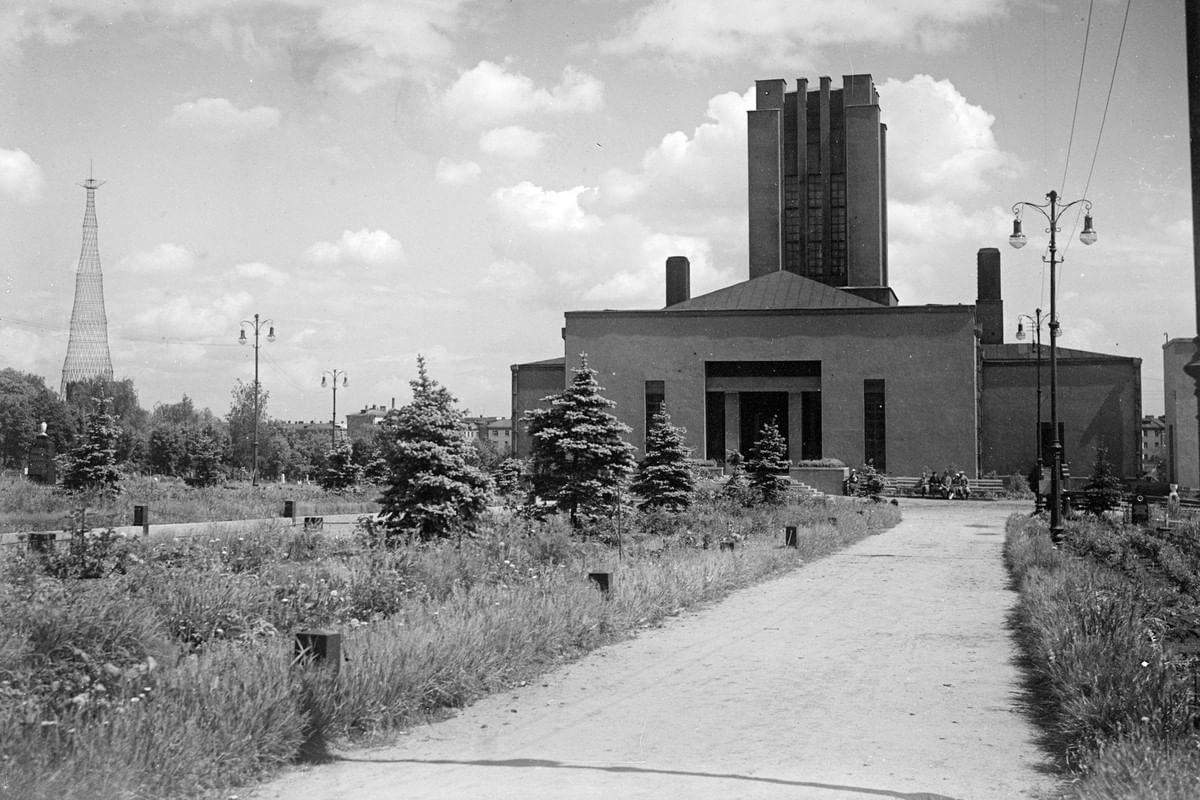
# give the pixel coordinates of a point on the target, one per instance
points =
(434, 481)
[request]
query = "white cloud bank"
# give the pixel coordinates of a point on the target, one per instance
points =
(20, 176)
(489, 94)
(166, 257)
(362, 247)
(456, 173)
(218, 119)
(512, 142)
(788, 31)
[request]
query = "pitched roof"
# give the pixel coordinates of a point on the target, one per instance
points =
(1024, 351)
(775, 290)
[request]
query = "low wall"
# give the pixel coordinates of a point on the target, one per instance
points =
(830, 480)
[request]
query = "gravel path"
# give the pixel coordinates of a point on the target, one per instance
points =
(883, 671)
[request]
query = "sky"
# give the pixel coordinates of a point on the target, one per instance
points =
(389, 178)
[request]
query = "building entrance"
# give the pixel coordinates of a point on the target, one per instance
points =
(758, 409)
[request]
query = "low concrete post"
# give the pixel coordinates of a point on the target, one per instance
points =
(790, 537)
(319, 648)
(141, 516)
(289, 509)
(727, 544)
(42, 543)
(603, 581)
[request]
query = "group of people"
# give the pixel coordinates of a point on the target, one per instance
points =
(949, 485)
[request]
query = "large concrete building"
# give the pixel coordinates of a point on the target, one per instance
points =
(816, 340)
(1179, 398)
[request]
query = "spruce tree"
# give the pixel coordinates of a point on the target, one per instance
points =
(768, 464)
(340, 472)
(664, 477)
(578, 458)
(432, 484)
(204, 456)
(1104, 489)
(91, 466)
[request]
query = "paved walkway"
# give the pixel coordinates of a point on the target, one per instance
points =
(883, 671)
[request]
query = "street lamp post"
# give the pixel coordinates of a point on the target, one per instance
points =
(1036, 321)
(257, 325)
(1052, 211)
(332, 376)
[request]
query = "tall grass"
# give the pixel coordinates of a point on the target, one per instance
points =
(26, 506)
(1116, 709)
(200, 692)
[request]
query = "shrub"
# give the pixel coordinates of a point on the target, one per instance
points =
(768, 464)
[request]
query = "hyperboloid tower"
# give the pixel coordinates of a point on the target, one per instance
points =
(87, 347)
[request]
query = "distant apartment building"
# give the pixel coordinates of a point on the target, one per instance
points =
(1154, 447)
(496, 431)
(363, 423)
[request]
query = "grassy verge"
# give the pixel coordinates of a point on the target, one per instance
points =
(172, 676)
(1117, 706)
(27, 506)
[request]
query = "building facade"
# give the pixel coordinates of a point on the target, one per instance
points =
(1179, 399)
(817, 162)
(816, 341)
(1154, 448)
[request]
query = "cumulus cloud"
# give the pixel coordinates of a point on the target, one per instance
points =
(695, 181)
(363, 247)
(456, 172)
(549, 244)
(220, 120)
(374, 42)
(938, 143)
(188, 317)
(356, 45)
(166, 257)
(783, 31)
(488, 94)
(512, 142)
(256, 270)
(20, 176)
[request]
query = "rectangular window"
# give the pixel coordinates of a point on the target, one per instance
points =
(874, 424)
(714, 426)
(655, 397)
(810, 416)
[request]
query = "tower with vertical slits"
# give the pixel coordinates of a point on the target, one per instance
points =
(87, 347)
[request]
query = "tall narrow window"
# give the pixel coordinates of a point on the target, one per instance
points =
(655, 397)
(714, 426)
(810, 415)
(874, 424)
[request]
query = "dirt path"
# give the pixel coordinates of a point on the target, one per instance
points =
(883, 671)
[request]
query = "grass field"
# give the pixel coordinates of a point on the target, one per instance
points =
(27, 506)
(1103, 624)
(171, 673)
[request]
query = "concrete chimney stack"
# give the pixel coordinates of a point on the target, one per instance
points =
(989, 305)
(679, 280)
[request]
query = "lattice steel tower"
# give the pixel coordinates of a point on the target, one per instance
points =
(87, 347)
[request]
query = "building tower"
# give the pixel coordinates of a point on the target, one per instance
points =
(818, 190)
(87, 347)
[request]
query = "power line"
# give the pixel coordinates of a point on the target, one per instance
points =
(59, 330)
(1087, 35)
(1112, 80)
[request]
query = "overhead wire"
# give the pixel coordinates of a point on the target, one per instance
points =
(1112, 80)
(1087, 35)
